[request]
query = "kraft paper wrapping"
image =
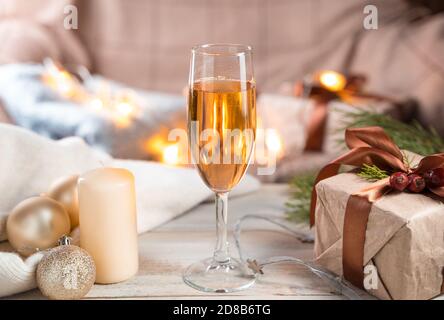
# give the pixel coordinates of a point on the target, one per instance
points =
(404, 238)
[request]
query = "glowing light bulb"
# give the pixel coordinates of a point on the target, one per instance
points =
(96, 104)
(123, 113)
(273, 141)
(171, 154)
(154, 145)
(124, 109)
(332, 80)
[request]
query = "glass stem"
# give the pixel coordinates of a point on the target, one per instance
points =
(221, 254)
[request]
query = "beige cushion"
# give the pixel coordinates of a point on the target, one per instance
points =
(24, 41)
(146, 43)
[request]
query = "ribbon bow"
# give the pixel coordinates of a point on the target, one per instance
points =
(371, 146)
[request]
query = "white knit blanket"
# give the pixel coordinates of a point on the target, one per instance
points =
(30, 163)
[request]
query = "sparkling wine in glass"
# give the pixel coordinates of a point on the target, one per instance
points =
(221, 130)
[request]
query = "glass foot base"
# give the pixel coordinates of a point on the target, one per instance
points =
(211, 276)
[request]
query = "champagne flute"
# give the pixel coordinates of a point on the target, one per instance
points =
(221, 130)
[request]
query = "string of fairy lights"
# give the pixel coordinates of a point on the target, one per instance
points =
(122, 107)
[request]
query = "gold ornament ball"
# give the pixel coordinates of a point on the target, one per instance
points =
(36, 224)
(66, 272)
(64, 190)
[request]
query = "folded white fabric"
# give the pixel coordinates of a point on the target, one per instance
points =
(30, 163)
(17, 275)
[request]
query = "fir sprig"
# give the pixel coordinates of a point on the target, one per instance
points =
(409, 136)
(372, 173)
(298, 207)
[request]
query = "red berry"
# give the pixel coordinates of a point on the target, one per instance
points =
(417, 183)
(434, 178)
(399, 181)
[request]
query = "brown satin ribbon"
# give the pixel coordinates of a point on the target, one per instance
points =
(370, 145)
(355, 223)
(316, 126)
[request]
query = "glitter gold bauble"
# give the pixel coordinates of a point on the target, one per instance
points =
(64, 190)
(66, 272)
(36, 224)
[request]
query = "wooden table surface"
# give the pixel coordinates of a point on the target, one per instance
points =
(167, 250)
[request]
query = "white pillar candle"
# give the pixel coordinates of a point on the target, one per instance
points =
(108, 227)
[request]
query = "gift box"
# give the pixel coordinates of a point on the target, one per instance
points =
(403, 238)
